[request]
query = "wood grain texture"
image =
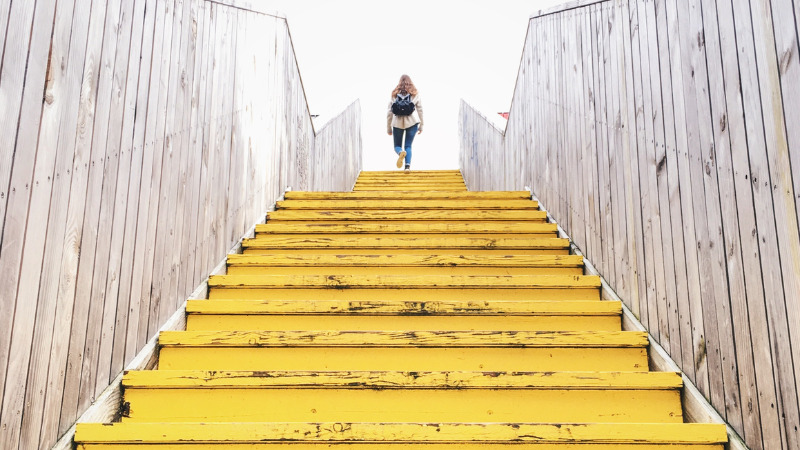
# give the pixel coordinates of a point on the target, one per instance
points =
(688, 111)
(138, 144)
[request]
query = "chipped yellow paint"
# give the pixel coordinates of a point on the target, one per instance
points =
(400, 316)
(386, 339)
(470, 195)
(424, 216)
(327, 321)
(395, 396)
(405, 281)
(187, 404)
(402, 204)
(530, 359)
(456, 434)
(409, 242)
(453, 229)
(485, 308)
(466, 260)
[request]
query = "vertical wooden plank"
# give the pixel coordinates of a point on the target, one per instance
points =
(718, 306)
(201, 146)
(674, 132)
(781, 186)
(139, 187)
(194, 152)
(58, 282)
(691, 171)
(126, 205)
(77, 242)
(115, 186)
(787, 44)
(759, 179)
(26, 213)
(592, 140)
(157, 139)
(12, 77)
(636, 197)
(100, 194)
(55, 112)
(723, 122)
(170, 157)
(647, 221)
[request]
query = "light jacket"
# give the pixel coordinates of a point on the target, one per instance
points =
(408, 121)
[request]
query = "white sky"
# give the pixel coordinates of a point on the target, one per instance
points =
(349, 49)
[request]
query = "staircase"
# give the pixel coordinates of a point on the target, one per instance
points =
(408, 314)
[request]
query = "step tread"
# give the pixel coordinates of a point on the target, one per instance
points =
(415, 228)
(327, 307)
(404, 281)
(325, 195)
(683, 433)
(480, 339)
(346, 241)
(401, 260)
(408, 215)
(153, 379)
(389, 204)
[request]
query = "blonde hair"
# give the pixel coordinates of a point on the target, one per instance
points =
(405, 86)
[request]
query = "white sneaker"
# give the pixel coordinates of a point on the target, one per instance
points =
(401, 158)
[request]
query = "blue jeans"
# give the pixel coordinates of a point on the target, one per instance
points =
(398, 133)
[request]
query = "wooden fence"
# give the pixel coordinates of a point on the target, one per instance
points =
(139, 140)
(662, 135)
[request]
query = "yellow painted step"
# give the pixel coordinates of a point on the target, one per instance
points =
(421, 187)
(450, 228)
(402, 204)
(423, 244)
(405, 264)
(514, 351)
(408, 216)
(376, 195)
(405, 287)
(565, 397)
(219, 315)
(414, 436)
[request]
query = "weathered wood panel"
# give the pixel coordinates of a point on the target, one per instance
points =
(166, 129)
(662, 135)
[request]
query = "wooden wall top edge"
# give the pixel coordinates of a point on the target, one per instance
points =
(575, 4)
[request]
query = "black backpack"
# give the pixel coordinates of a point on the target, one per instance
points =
(402, 105)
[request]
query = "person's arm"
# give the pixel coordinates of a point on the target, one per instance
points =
(418, 106)
(389, 116)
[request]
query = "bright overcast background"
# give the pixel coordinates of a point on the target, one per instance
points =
(357, 49)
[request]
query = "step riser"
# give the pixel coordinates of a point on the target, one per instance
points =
(209, 322)
(395, 446)
(344, 235)
(398, 251)
(421, 270)
(404, 359)
(403, 405)
(422, 294)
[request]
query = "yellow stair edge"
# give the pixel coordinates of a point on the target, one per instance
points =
(409, 215)
(386, 204)
(407, 228)
(495, 433)
(402, 380)
(272, 242)
(377, 307)
(408, 260)
(405, 339)
(374, 195)
(404, 281)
